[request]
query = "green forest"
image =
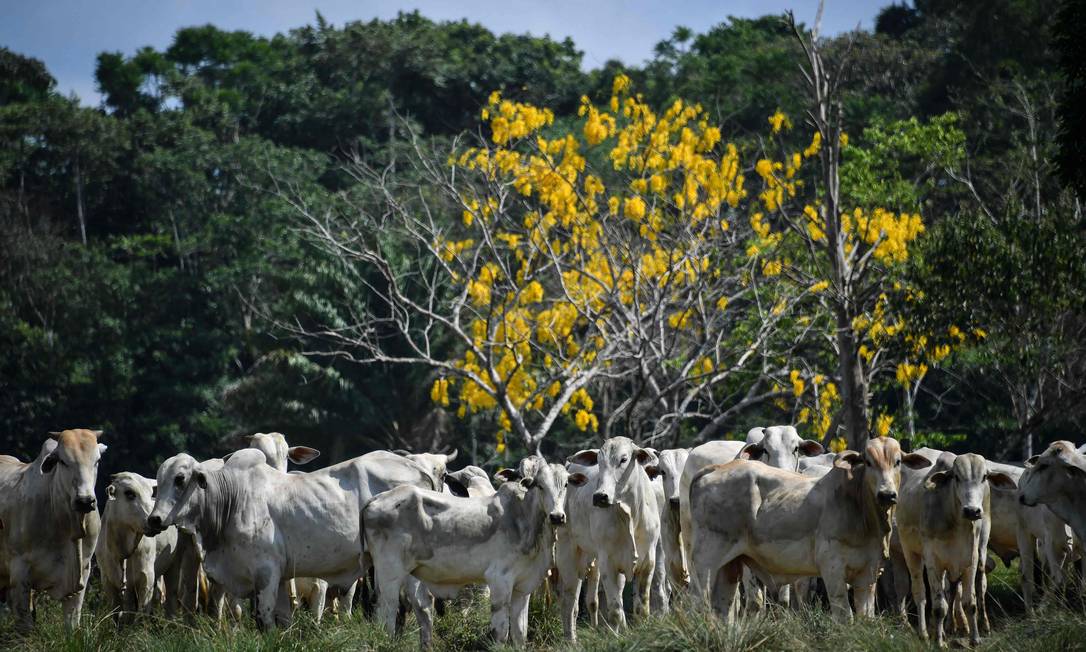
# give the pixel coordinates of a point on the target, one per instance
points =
(177, 266)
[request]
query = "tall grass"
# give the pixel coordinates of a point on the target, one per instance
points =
(1060, 625)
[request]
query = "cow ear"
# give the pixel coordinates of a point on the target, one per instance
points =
(401, 452)
(809, 447)
(49, 463)
(653, 472)
(302, 454)
(937, 479)
(527, 482)
(848, 460)
(507, 475)
(154, 489)
(102, 448)
(111, 491)
(1031, 461)
(226, 458)
(577, 479)
(751, 451)
(589, 457)
(915, 461)
(646, 456)
(1001, 480)
(201, 479)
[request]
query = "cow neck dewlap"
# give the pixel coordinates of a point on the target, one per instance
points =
(220, 503)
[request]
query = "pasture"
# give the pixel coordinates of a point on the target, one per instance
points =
(1060, 625)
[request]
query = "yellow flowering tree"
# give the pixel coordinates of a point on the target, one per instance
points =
(546, 268)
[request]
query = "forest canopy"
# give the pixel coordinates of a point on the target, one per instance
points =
(423, 235)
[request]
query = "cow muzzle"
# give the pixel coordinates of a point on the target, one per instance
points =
(971, 513)
(153, 525)
(601, 499)
(887, 498)
(557, 518)
(84, 504)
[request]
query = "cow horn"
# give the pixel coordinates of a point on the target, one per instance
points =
(452, 456)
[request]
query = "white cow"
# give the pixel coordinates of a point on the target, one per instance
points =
(258, 525)
(670, 469)
(786, 525)
(777, 446)
(1057, 478)
(129, 562)
(447, 542)
(49, 523)
(614, 520)
(943, 522)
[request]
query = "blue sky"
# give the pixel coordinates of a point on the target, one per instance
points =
(68, 34)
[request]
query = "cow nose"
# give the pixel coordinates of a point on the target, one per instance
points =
(84, 504)
(558, 519)
(153, 525)
(674, 502)
(887, 497)
(601, 500)
(971, 513)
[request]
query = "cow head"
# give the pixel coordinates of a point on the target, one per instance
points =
(670, 469)
(618, 460)
(174, 478)
(1058, 472)
(881, 462)
(969, 478)
(779, 446)
(552, 482)
(73, 463)
(131, 497)
(436, 464)
(278, 452)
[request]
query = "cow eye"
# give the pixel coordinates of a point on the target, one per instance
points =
(131, 495)
(897, 463)
(624, 460)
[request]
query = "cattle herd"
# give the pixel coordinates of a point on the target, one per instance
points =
(774, 515)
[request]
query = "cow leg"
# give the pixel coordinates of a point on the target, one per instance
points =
(317, 599)
(937, 583)
(833, 574)
(613, 582)
(592, 594)
(266, 597)
(113, 588)
(863, 593)
(900, 572)
(643, 575)
(143, 582)
(501, 597)
(172, 579)
(915, 565)
(755, 592)
(659, 600)
(970, 589)
(518, 618)
(981, 595)
(388, 580)
(422, 603)
(571, 564)
(346, 600)
(1027, 546)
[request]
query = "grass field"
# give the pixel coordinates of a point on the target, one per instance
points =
(1059, 626)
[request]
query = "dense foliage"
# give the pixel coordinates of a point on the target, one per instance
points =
(160, 278)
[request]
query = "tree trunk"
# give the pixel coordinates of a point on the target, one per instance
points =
(79, 201)
(853, 388)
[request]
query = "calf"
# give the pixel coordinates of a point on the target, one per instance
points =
(670, 469)
(614, 520)
(943, 522)
(470, 481)
(783, 524)
(503, 540)
(50, 524)
(129, 562)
